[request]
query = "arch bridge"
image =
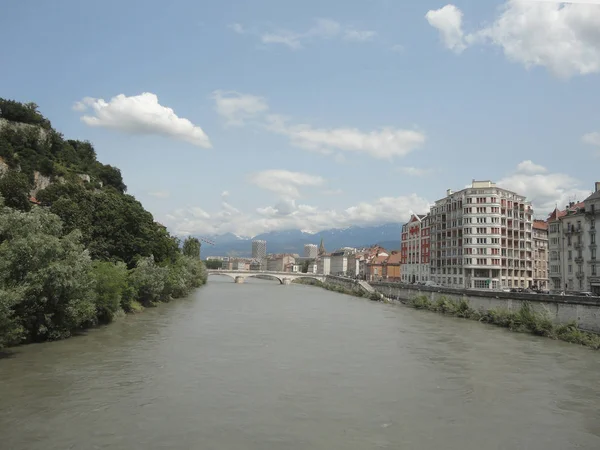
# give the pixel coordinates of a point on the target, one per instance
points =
(239, 276)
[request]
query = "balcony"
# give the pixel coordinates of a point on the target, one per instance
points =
(578, 245)
(580, 275)
(579, 259)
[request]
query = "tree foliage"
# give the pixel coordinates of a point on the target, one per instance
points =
(191, 247)
(90, 251)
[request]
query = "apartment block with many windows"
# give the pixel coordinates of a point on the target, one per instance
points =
(481, 238)
(573, 246)
(415, 249)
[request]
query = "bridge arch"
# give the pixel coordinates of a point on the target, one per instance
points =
(265, 275)
(222, 274)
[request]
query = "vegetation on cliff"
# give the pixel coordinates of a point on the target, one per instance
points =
(88, 251)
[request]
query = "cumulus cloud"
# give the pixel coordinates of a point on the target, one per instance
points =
(288, 215)
(544, 189)
(225, 194)
(237, 108)
(284, 182)
(141, 114)
(237, 28)
(563, 37)
(321, 29)
(448, 21)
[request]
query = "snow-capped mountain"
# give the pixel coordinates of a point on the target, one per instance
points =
(292, 241)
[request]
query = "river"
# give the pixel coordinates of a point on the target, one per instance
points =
(262, 366)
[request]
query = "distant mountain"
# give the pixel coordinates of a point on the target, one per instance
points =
(292, 241)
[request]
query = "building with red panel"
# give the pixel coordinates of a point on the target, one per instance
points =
(415, 253)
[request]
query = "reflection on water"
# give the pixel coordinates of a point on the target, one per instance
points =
(265, 366)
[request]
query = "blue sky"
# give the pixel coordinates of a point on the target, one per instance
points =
(246, 117)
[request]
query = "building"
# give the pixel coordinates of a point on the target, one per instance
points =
(481, 238)
(324, 265)
(339, 260)
(415, 249)
(311, 251)
(573, 246)
(375, 266)
(540, 254)
(392, 267)
(259, 252)
(280, 263)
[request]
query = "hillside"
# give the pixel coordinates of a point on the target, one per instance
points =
(75, 249)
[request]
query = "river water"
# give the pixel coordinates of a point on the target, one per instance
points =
(262, 366)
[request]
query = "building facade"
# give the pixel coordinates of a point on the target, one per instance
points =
(280, 263)
(311, 251)
(573, 247)
(415, 249)
(340, 261)
(481, 238)
(540, 254)
(324, 265)
(259, 252)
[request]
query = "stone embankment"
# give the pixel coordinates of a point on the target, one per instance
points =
(561, 310)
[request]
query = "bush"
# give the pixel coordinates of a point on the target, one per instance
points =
(111, 282)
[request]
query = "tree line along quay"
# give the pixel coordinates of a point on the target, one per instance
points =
(75, 249)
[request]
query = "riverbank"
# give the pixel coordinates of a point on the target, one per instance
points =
(355, 291)
(523, 320)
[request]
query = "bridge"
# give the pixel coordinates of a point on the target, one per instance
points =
(283, 277)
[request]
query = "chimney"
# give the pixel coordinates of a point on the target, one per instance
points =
(449, 191)
(597, 186)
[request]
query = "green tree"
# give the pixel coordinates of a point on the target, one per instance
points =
(111, 285)
(213, 264)
(14, 187)
(191, 247)
(46, 274)
(305, 267)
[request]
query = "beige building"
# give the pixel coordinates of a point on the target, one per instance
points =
(280, 263)
(573, 246)
(540, 254)
(481, 238)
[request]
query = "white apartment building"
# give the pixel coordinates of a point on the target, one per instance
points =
(573, 246)
(415, 249)
(540, 254)
(481, 238)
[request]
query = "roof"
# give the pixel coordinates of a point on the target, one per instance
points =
(594, 196)
(378, 260)
(394, 258)
(570, 209)
(540, 224)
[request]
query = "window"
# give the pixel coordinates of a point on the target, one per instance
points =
(594, 269)
(570, 268)
(570, 255)
(593, 238)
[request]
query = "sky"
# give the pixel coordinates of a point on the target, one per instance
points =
(246, 117)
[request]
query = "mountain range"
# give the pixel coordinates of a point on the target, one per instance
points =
(293, 241)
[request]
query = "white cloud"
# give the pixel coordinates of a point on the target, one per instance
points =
(545, 190)
(415, 171)
(563, 37)
(236, 108)
(322, 29)
(592, 139)
(141, 114)
(333, 192)
(287, 216)
(448, 21)
(225, 194)
(384, 143)
(530, 167)
(284, 182)
(159, 194)
(398, 48)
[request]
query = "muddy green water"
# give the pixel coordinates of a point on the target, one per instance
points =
(262, 366)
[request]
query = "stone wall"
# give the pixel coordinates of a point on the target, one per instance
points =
(585, 311)
(348, 283)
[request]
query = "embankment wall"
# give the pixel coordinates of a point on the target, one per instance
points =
(585, 311)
